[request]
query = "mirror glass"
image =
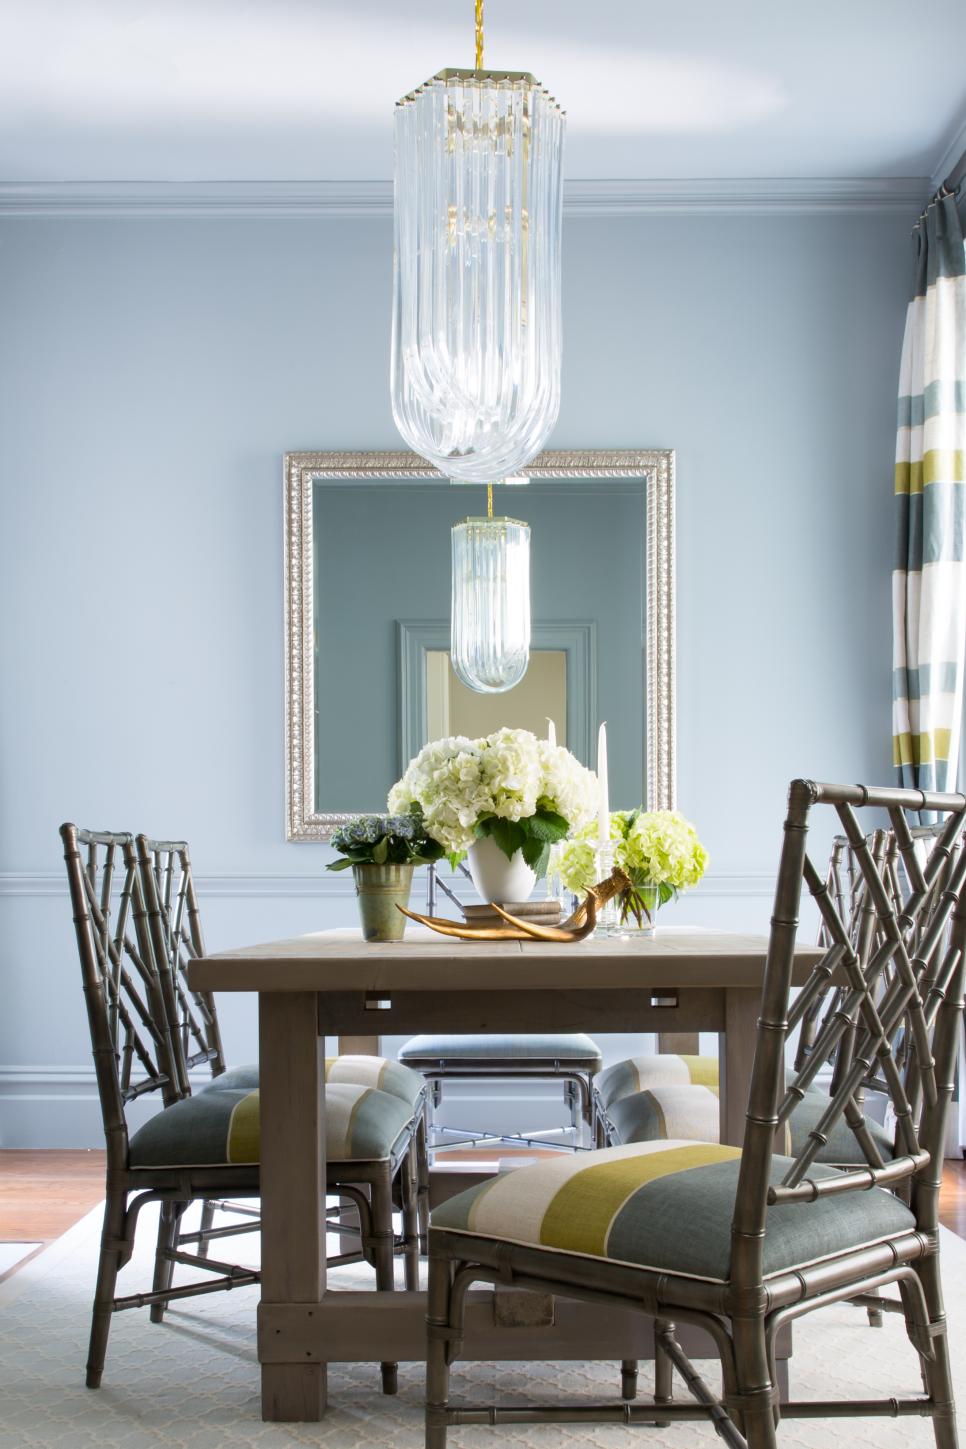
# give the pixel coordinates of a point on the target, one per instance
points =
(381, 602)
(541, 696)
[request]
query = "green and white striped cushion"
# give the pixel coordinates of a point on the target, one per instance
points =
(217, 1128)
(560, 1047)
(692, 1113)
(667, 1206)
(380, 1072)
(686, 1112)
(638, 1074)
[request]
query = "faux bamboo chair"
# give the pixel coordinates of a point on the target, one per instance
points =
(174, 920)
(196, 1148)
(742, 1241)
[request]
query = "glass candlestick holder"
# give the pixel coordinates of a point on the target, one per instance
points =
(608, 914)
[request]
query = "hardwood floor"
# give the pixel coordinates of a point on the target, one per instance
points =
(952, 1198)
(42, 1194)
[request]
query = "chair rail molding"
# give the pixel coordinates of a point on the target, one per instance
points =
(333, 887)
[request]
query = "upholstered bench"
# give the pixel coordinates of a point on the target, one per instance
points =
(570, 1058)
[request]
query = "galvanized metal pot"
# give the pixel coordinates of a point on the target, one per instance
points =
(379, 888)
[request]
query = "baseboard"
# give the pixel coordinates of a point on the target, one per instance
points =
(52, 1106)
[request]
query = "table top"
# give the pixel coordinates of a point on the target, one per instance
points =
(339, 961)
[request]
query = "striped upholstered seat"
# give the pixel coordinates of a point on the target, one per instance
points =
(563, 1047)
(688, 1112)
(215, 1128)
(638, 1074)
(691, 1113)
(666, 1206)
(378, 1072)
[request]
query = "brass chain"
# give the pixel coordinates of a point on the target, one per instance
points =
(489, 500)
(479, 34)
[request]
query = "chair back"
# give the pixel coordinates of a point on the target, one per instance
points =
(132, 1047)
(892, 972)
(174, 922)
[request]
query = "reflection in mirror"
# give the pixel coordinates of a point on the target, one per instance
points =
(367, 572)
(541, 695)
(383, 575)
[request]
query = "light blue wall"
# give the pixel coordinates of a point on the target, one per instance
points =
(153, 371)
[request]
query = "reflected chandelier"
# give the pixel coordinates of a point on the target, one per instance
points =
(476, 335)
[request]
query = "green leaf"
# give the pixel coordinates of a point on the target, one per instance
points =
(666, 893)
(509, 835)
(455, 858)
(546, 825)
(338, 864)
(536, 853)
(380, 851)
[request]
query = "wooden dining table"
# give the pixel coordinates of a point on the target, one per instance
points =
(333, 983)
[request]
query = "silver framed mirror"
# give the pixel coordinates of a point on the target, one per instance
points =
(331, 502)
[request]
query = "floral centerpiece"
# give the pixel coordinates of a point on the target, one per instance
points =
(508, 793)
(383, 851)
(658, 850)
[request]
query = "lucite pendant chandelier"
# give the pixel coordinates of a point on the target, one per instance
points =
(490, 630)
(476, 338)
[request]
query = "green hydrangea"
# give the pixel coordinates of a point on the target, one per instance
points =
(658, 850)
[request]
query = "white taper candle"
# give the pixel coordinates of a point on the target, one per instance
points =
(551, 732)
(603, 806)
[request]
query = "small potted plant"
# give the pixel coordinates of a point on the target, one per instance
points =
(383, 851)
(658, 851)
(502, 800)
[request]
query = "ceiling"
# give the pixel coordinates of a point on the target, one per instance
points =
(303, 90)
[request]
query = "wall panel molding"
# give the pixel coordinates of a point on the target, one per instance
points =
(356, 200)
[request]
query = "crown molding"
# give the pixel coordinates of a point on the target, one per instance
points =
(361, 199)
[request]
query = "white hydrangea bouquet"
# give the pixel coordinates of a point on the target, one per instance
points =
(524, 793)
(658, 850)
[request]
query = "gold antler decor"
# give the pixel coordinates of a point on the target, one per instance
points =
(580, 924)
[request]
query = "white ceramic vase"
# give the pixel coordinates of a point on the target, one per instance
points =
(497, 878)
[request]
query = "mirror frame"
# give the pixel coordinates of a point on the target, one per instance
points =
(653, 467)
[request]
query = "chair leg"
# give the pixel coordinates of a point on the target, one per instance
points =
(422, 1180)
(382, 1242)
(629, 1378)
(168, 1220)
(756, 1400)
(207, 1223)
(437, 1352)
(935, 1366)
(410, 1219)
(663, 1372)
(108, 1264)
(572, 1099)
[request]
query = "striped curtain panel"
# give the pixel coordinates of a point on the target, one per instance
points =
(929, 581)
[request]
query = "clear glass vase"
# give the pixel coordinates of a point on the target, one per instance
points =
(476, 334)
(490, 628)
(638, 909)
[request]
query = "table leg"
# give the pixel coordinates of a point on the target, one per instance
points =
(736, 1055)
(292, 1084)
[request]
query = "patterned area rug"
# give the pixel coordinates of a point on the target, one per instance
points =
(193, 1382)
